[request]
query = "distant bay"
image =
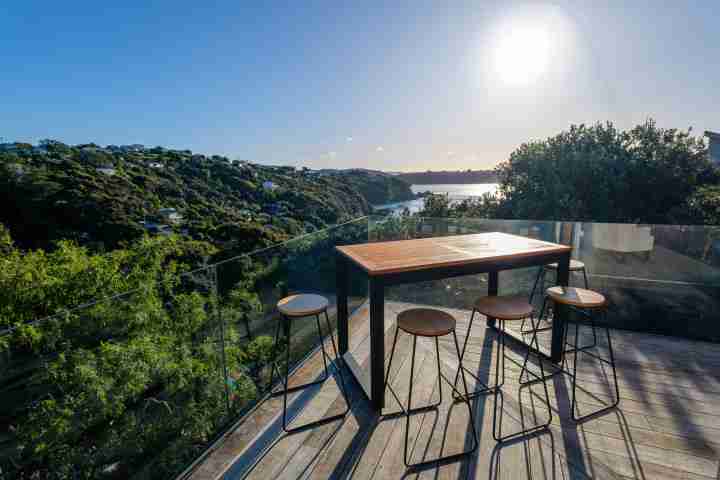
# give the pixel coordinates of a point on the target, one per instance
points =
(456, 193)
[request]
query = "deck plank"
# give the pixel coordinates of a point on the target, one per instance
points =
(667, 426)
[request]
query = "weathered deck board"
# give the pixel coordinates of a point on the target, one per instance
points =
(667, 426)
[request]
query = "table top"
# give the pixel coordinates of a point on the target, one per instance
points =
(426, 253)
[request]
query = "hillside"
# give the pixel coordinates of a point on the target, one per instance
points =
(102, 196)
(377, 187)
(448, 177)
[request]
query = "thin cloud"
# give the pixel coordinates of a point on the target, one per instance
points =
(380, 149)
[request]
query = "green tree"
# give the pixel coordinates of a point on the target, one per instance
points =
(599, 173)
(436, 205)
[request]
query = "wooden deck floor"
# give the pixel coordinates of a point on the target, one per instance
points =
(666, 427)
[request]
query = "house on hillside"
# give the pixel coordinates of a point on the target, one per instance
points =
(714, 146)
(268, 185)
(17, 169)
(9, 147)
(109, 171)
(156, 228)
(135, 147)
(170, 215)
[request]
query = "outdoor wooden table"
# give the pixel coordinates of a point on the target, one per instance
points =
(409, 261)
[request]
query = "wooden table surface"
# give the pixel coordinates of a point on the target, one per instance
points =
(425, 253)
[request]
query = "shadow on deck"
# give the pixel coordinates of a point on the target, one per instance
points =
(666, 427)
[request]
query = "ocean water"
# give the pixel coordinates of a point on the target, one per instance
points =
(455, 192)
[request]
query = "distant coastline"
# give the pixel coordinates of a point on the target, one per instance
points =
(454, 192)
(449, 177)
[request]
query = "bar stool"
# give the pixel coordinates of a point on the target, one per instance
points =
(429, 323)
(508, 308)
(590, 304)
(291, 308)
(575, 266)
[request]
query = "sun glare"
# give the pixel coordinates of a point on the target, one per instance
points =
(524, 47)
(522, 54)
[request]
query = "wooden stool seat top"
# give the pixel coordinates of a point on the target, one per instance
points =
(578, 297)
(426, 322)
(575, 265)
(302, 305)
(504, 307)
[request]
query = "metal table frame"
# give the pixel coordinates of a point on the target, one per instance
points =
(377, 284)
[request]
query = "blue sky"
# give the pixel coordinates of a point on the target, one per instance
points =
(388, 85)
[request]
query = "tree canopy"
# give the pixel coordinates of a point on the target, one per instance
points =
(599, 173)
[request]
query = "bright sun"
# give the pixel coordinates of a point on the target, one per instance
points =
(522, 51)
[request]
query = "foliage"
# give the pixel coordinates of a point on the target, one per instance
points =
(58, 192)
(600, 173)
(131, 382)
(376, 187)
(704, 204)
(137, 384)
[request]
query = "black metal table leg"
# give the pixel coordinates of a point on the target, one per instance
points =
(341, 284)
(377, 343)
(492, 291)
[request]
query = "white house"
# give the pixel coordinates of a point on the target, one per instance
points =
(714, 146)
(170, 215)
(135, 147)
(109, 171)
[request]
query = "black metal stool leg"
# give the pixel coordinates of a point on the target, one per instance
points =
(540, 274)
(287, 364)
(409, 403)
(610, 362)
(467, 401)
(462, 354)
(322, 346)
(440, 375)
(403, 410)
(497, 431)
(338, 361)
(286, 390)
(534, 339)
(273, 366)
(478, 391)
(411, 411)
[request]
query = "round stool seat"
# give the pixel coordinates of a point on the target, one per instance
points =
(504, 307)
(575, 265)
(426, 322)
(302, 305)
(578, 297)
